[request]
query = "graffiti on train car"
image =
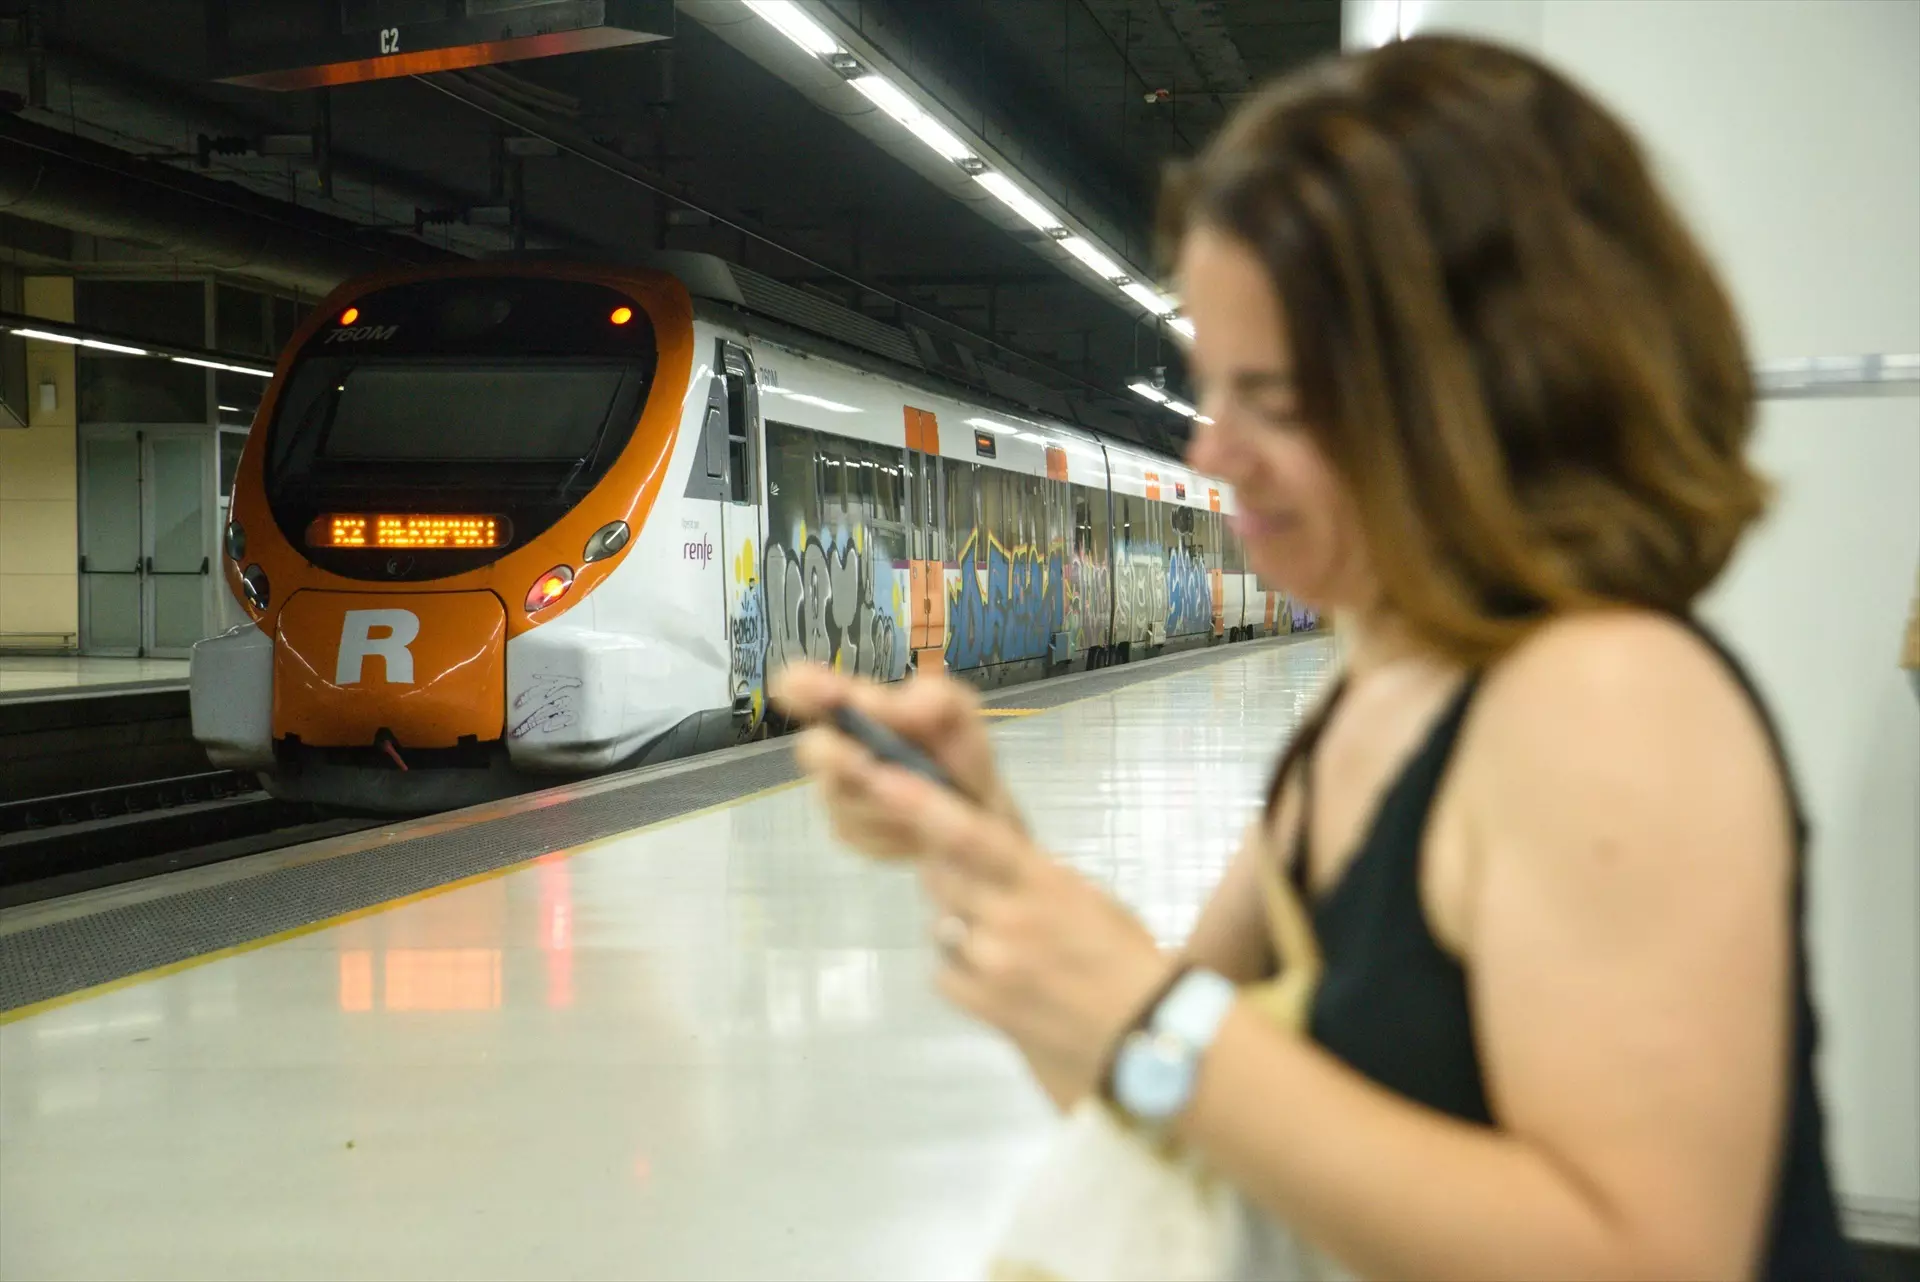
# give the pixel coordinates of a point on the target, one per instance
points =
(747, 629)
(1089, 598)
(1004, 605)
(1189, 592)
(826, 604)
(1140, 586)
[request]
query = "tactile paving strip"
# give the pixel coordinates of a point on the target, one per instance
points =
(62, 957)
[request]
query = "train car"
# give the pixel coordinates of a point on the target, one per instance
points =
(511, 521)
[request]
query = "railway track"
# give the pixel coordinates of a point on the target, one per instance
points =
(81, 840)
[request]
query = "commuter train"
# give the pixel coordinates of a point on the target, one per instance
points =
(507, 520)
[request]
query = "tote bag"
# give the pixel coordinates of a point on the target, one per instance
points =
(1111, 1203)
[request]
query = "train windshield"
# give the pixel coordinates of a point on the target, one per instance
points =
(458, 412)
(507, 397)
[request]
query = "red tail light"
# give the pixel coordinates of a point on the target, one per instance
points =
(548, 588)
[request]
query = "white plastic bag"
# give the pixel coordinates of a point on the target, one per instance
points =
(1109, 1204)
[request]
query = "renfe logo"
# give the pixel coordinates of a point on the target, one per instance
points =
(701, 551)
(357, 640)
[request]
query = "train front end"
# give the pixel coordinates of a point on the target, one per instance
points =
(447, 467)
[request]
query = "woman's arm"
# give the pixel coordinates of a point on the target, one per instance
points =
(1629, 954)
(1231, 935)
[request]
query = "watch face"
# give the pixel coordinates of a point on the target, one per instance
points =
(1153, 1076)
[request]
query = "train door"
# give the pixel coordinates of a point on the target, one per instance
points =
(926, 551)
(743, 536)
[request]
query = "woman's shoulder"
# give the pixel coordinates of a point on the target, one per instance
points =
(1622, 668)
(1621, 709)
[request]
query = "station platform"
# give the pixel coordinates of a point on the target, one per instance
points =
(658, 1025)
(26, 676)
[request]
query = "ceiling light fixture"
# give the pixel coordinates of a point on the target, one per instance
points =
(1181, 325)
(1149, 391)
(231, 369)
(887, 96)
(121, 348)
(790, 21)
(1181, 407)
(1007, 193)
(1149, 298)
(1084, 250)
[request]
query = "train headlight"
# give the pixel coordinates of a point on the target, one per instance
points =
(236, 541)
(606, 540)
(253, 581)
(548, 588)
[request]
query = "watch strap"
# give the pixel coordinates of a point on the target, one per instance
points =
(1141, 1020)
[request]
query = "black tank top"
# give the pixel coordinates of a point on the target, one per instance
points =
(1392, 1003)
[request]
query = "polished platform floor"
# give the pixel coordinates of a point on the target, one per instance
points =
(24, 674)
(708, 1048)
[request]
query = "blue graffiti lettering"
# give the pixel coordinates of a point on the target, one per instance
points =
(1189, 592)
(1013, 616)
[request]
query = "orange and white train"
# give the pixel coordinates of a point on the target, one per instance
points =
(504, 521)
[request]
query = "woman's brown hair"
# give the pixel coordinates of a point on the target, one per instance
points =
(1503, 336)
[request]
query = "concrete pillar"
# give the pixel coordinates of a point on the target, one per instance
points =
(39, 493)
(1789, 132)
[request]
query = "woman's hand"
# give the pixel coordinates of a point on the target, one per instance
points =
(1028, 946)
(938, 714)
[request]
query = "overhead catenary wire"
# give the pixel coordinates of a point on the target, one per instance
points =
(507, 111)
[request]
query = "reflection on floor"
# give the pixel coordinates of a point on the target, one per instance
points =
(704, 1050)
(24, 673)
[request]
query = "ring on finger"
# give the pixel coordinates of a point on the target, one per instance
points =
(950, 933)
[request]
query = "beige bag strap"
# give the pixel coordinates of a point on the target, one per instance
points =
(1287, 998)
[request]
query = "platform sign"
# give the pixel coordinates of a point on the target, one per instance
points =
(307, 44)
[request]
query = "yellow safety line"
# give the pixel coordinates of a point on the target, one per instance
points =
(387, 905)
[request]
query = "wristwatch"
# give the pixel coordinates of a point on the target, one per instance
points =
(1158, 1065)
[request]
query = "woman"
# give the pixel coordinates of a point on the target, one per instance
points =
(1480, 395)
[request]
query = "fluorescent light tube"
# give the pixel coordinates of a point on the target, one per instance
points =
(45, 337)
(1018, 201)
(790, 21)
(1149, 391)
(887, 96)
(1151, 299)
(231, 369)
(1182, 325)
(114, 347)
(1086, 253)
(1181, 407)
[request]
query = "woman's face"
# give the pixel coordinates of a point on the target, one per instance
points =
(1296, 517)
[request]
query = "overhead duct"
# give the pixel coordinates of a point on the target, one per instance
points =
(53, 177)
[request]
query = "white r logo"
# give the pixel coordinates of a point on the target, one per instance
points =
(357, 642)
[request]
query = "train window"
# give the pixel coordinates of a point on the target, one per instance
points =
(1031, 524)
(885, 473)
(489, 413)
(791, 483)
(963, 515)
(994, 519)
(741, 485)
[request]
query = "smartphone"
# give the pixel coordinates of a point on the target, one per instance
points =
(891, 747)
